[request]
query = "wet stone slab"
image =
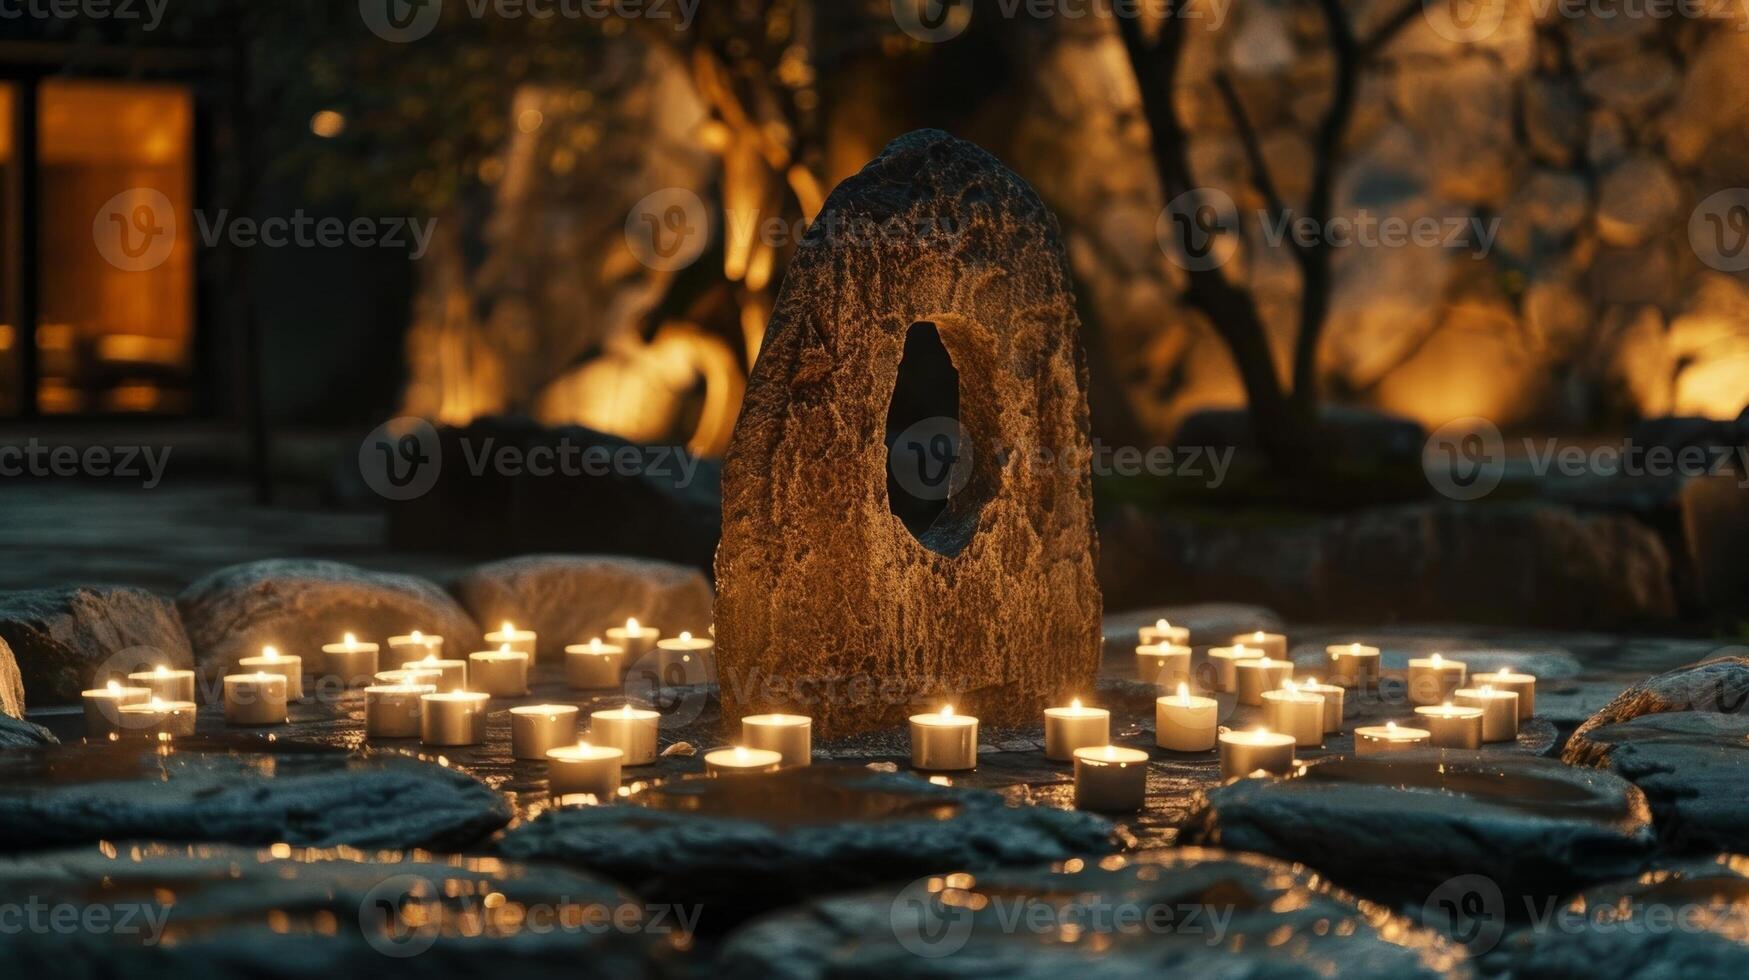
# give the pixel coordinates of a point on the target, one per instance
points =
(1185, 912)
(197, 911)
(1694, 769)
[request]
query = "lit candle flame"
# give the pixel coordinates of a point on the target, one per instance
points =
(1241, 650)
(1354, 648)
(418, 637)
(1390, 726)
(431, 658)
(1075, 705)
(1184, 692)
(1162, 625)
(594, 643)
(504, 650)
(162, 670)
(1488, 689)
(508, 627)
(156, 703)
(740, 754)
(1437, 659)
(685, 637)
(270, 653)
(947, 711)
(351, 641)
(112, 686)
(632, 625)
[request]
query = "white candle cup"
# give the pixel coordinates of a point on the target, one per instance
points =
(1161, 632)
(508, 636)
(631, 730)
(944, 741)
(594, 666)
(582, 769)
(256, 699)
(536, 729)
(634, 638)
(501, 673)
(1260, 675)
(685, 658)
(791, 736)
(1163, 665)
(1184, 722)
(410, 675)
(271, 661)
(1110, 779)
(353, 662)
(453, 673)
(1387, 738)
(1075, 727)
(1523, 685)
(1334, 700)
(413, 646)
(1292, 711)
(1273, 644)
(1499, 711)
(1452, 726)
(1433, 680)
(158, 717)
(1243, 753)
(741, 760)
(453, 717)
(394, 710)
(1226, 661)
(165, 683)
(103, 707)
(1353, 665)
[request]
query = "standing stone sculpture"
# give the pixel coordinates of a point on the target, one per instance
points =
(834, 597)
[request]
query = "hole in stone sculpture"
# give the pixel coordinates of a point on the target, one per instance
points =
(928, 458)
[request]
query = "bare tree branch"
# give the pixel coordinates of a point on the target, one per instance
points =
(1260, 175)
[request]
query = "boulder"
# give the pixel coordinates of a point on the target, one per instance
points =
(297, 605)
(1692, 766)
(1718, 685)
(18, 733)
(568, 599)
(840, 441)
(63, 640)
(11, 684)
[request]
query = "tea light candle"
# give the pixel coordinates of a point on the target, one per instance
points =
(453, 674)
(536, 729)
(1226, 661)
(103, 706)
(508, 636)
(502, 673)
(272, 661)
(584, 769)
(1185, 723)
(158, 717)
(411, 675)
(1075, 727)
(631, 730)
(1389, 737)
(1432, 680)
(634, 638)
(684, 656)
(1523, 685)
(1243, 753)
(1452, 726)
(594, 665)
(1260, 675)
(1353, 665)
(353, 662)
(1162, 664)
(791, 736)
(1334, 699)
(944, 741)
(164, 683)
(412, 646)
(1273, 644)
(1163, 633)
(1499, 711)
(1292, 711)
(741, 760)
(256, 699)
(394, 710)
(1110, 779)
(453, 717)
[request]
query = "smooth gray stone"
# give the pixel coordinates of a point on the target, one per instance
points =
(1186, 912)
(240, 791)
(64, 640)
(17, 733)
(202, 910)
(1693, 767)
(1718, 685)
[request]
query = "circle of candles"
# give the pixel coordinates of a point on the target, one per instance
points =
(1184, 722)
(1110, 779)
(412, 646)
(584, 768)
(453, 717)
(1243, 753)
(1353, 664)
(165, 683)
(1272, 644)
(1334, 699)
(1389, 737)
(1452, 726)
(944, 741)
(272, 661)
(634, 638)
(394, 710)
(791, 736)
(502, 673)
(158, 717)
(594, 665)
(628, 729)
(741, 760)
(1163, 632)
(256, 699)
(1292, 711)
(508, 637)
(1075, 727)
(684, 656)
(453, 674)
(1523, 685)
(1162, 664)
(353, 662)
(1433, 679)
(103, 706)
(1260, 675)
(1226, 661)
(536, 729)
(1499, 711)
(411, 675)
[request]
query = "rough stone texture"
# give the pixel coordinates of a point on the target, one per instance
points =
(817, 577)
(11, 684)
(199, 911)
(299, 605)
(750, 844)
(1692, 766)
(240, 792)
(1719, 684)
(16, 733)
(570, 599)
(1398, 826)
(1285, 922)
(63, 639)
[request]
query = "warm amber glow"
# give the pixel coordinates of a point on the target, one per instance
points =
(270, 653)
(327, 123)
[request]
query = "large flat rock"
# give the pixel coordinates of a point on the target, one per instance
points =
(571, 598)
(1719, 685)
(18, 733)
(63, 639)
(11, 684)
(1693, 767)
